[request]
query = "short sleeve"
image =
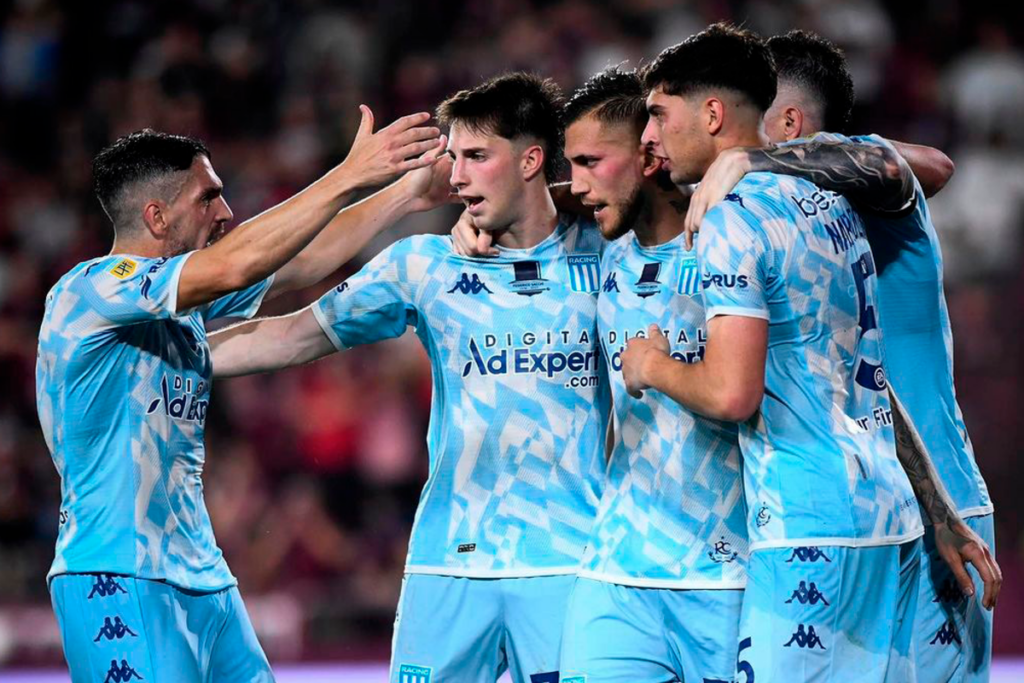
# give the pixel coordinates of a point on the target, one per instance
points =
(241, 304)
(125, 290)
(733, 255)
(374, 304)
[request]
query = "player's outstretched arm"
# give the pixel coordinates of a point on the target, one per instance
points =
(268, 344)
(422, 189)
(871, 175)
(932, 168)
(956, 542)
(727, 385)
(261, 245)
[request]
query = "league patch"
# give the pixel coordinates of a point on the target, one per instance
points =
(411, 673)
(124, 269)
(584, 272)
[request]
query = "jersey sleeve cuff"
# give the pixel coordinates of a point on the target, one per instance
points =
(739, 311)
(172, 301)
(321, 320)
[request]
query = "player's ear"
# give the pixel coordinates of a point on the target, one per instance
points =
(532, 162)
(714, 115)
(650, 164)
(794, 122)
(155, 217)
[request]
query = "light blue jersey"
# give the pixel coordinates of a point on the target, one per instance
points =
(520, 400)
(820, 466)
(672, 514)
(122, 389)
(919, 343)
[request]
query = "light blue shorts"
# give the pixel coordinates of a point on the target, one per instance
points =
(953, 634)
(453, 629)
(619, 633)
(830, 613)
(122, 629)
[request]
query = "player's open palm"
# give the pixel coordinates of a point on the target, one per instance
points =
(376, 158)
(431, 185)
(719, 180)
(958, 544)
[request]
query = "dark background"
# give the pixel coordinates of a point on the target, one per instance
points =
(314, 473)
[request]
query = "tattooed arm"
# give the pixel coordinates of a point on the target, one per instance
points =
(954, 540)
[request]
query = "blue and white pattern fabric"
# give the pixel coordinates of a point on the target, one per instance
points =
(122, 388)
(672, 514)
(820, 466)
(520, 400)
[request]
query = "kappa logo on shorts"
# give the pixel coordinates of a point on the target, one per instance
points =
(946, 635)
(105, 586)
(124, 268)
(121, 674)
(950, 593)
(411, 673)
(808, 554)
(805, 639)
(114, 631)
(805, 595)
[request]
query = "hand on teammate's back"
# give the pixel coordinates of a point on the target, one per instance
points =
(958, 544)
(722, 176)
(378, 157)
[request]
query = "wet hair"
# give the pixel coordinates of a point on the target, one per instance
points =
(145, 157)
(513, 106)
(720, 56)
(611, 96)
(818, 67)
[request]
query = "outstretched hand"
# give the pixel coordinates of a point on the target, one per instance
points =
(957, 545)
(719, 180)
(376, 158)
(430, 186)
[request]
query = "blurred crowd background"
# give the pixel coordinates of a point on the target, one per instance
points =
(313, 474)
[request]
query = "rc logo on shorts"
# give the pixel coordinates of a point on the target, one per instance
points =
(723, 552)
(114, 631)
(105, 586)
(808, 554)
(410, 673)
(584, 272)
(946, 635)
(121, 674)
(807, 596)
(763, 516)
(468, 285)
(805, 639)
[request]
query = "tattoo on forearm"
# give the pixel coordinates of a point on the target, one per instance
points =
(923, 478)
(871, 175)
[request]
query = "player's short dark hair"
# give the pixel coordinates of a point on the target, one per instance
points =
(818, 67)
(720, 56)
(612, 96)
(513, 106)
(140, 157)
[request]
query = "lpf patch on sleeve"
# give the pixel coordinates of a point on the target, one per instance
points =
(124, 269)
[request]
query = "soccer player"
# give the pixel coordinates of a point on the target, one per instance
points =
(139, 587)
(520, 398)
(659, 590)
(793, 355)
(953, 631)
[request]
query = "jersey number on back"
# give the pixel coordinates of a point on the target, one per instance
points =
(868, 375)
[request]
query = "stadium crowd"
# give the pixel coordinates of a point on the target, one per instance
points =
(314, 473)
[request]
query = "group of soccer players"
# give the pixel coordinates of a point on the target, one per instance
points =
(647, 462)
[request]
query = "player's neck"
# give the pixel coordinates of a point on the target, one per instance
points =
(137, 248)
(537, 220)
(752, 135)
(664, 221)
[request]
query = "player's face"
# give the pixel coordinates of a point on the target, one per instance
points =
(675, 135)
(607, 162)
(486, 175)
(200, 214)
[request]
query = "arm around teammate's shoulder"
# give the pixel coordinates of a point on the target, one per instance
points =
(931, 166)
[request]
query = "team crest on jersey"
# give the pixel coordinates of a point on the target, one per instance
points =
(574, 679)
(689, 277)
(411, 673)
(528, 280)
(124, 269)
(584, 272)
(648, 284)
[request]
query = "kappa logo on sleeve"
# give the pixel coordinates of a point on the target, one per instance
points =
(124, 269)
